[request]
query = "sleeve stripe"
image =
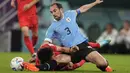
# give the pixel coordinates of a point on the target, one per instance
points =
(78, 11)
(47, 39)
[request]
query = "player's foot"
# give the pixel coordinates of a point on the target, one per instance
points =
(33, 58)
(35, 48)
(109, 69)
(34, 55)
(30, 67)
(104, 42)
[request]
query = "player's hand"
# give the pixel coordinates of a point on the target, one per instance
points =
(70, 65)
(13, 4)
(99, 1)
(74, 49)
(26, 7)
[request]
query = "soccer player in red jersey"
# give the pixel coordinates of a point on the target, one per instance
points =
(28, 20)
(58, 61)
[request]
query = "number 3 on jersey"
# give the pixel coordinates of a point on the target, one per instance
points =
(67, 30)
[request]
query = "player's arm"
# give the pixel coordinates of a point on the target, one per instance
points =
(63, 49)
(49, 35)
(67, 50)
(86, 7)
(28, 6)
(13, 3)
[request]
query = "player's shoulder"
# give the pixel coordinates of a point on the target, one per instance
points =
(54, 23)
(52, 26)
(69, 11)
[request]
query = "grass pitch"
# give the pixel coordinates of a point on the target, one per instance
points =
(120, 63)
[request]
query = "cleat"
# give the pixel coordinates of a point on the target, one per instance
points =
(104, 42)
(30, 67)
(109, 69)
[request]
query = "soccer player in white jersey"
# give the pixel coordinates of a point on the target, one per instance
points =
(66, 30)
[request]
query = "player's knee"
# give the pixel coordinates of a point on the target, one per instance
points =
(98, 59)
(34, 34)
(25, 30)
(102, 63)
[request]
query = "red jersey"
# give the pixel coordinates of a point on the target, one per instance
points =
(53, 47)
(21, 4)
(29, 17)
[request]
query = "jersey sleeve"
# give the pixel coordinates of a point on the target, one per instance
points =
(52, 46)
(49, 34)
(74, 12)
(78, 11)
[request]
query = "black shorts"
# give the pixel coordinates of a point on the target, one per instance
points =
(84, 50)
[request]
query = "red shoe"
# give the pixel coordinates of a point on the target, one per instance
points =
(30, 67)
(109, 69)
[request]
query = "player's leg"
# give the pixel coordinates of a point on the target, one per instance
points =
(34, 21)
(34, 34)
(34, 38)
(62, 61)
(71, 66)
(24, 22)
(27, 40)
(99, 60)
(91, 55)
(79, 64)
(99, 44)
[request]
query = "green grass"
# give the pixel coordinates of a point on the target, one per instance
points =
(120, 63)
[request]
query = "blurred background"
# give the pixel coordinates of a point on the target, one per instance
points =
(107, 20)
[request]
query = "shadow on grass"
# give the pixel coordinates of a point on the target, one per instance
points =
(87, 71)
(77, 71)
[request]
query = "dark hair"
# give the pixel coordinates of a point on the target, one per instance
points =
(110, 24)
(127, 21)
(44, 54)
(57, 4)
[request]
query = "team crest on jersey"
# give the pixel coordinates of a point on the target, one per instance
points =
(68, 19)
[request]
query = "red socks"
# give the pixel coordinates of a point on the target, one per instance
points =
(34, 40)
(37, 61)
(94, 45)
(29, 44)
(77, 65)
